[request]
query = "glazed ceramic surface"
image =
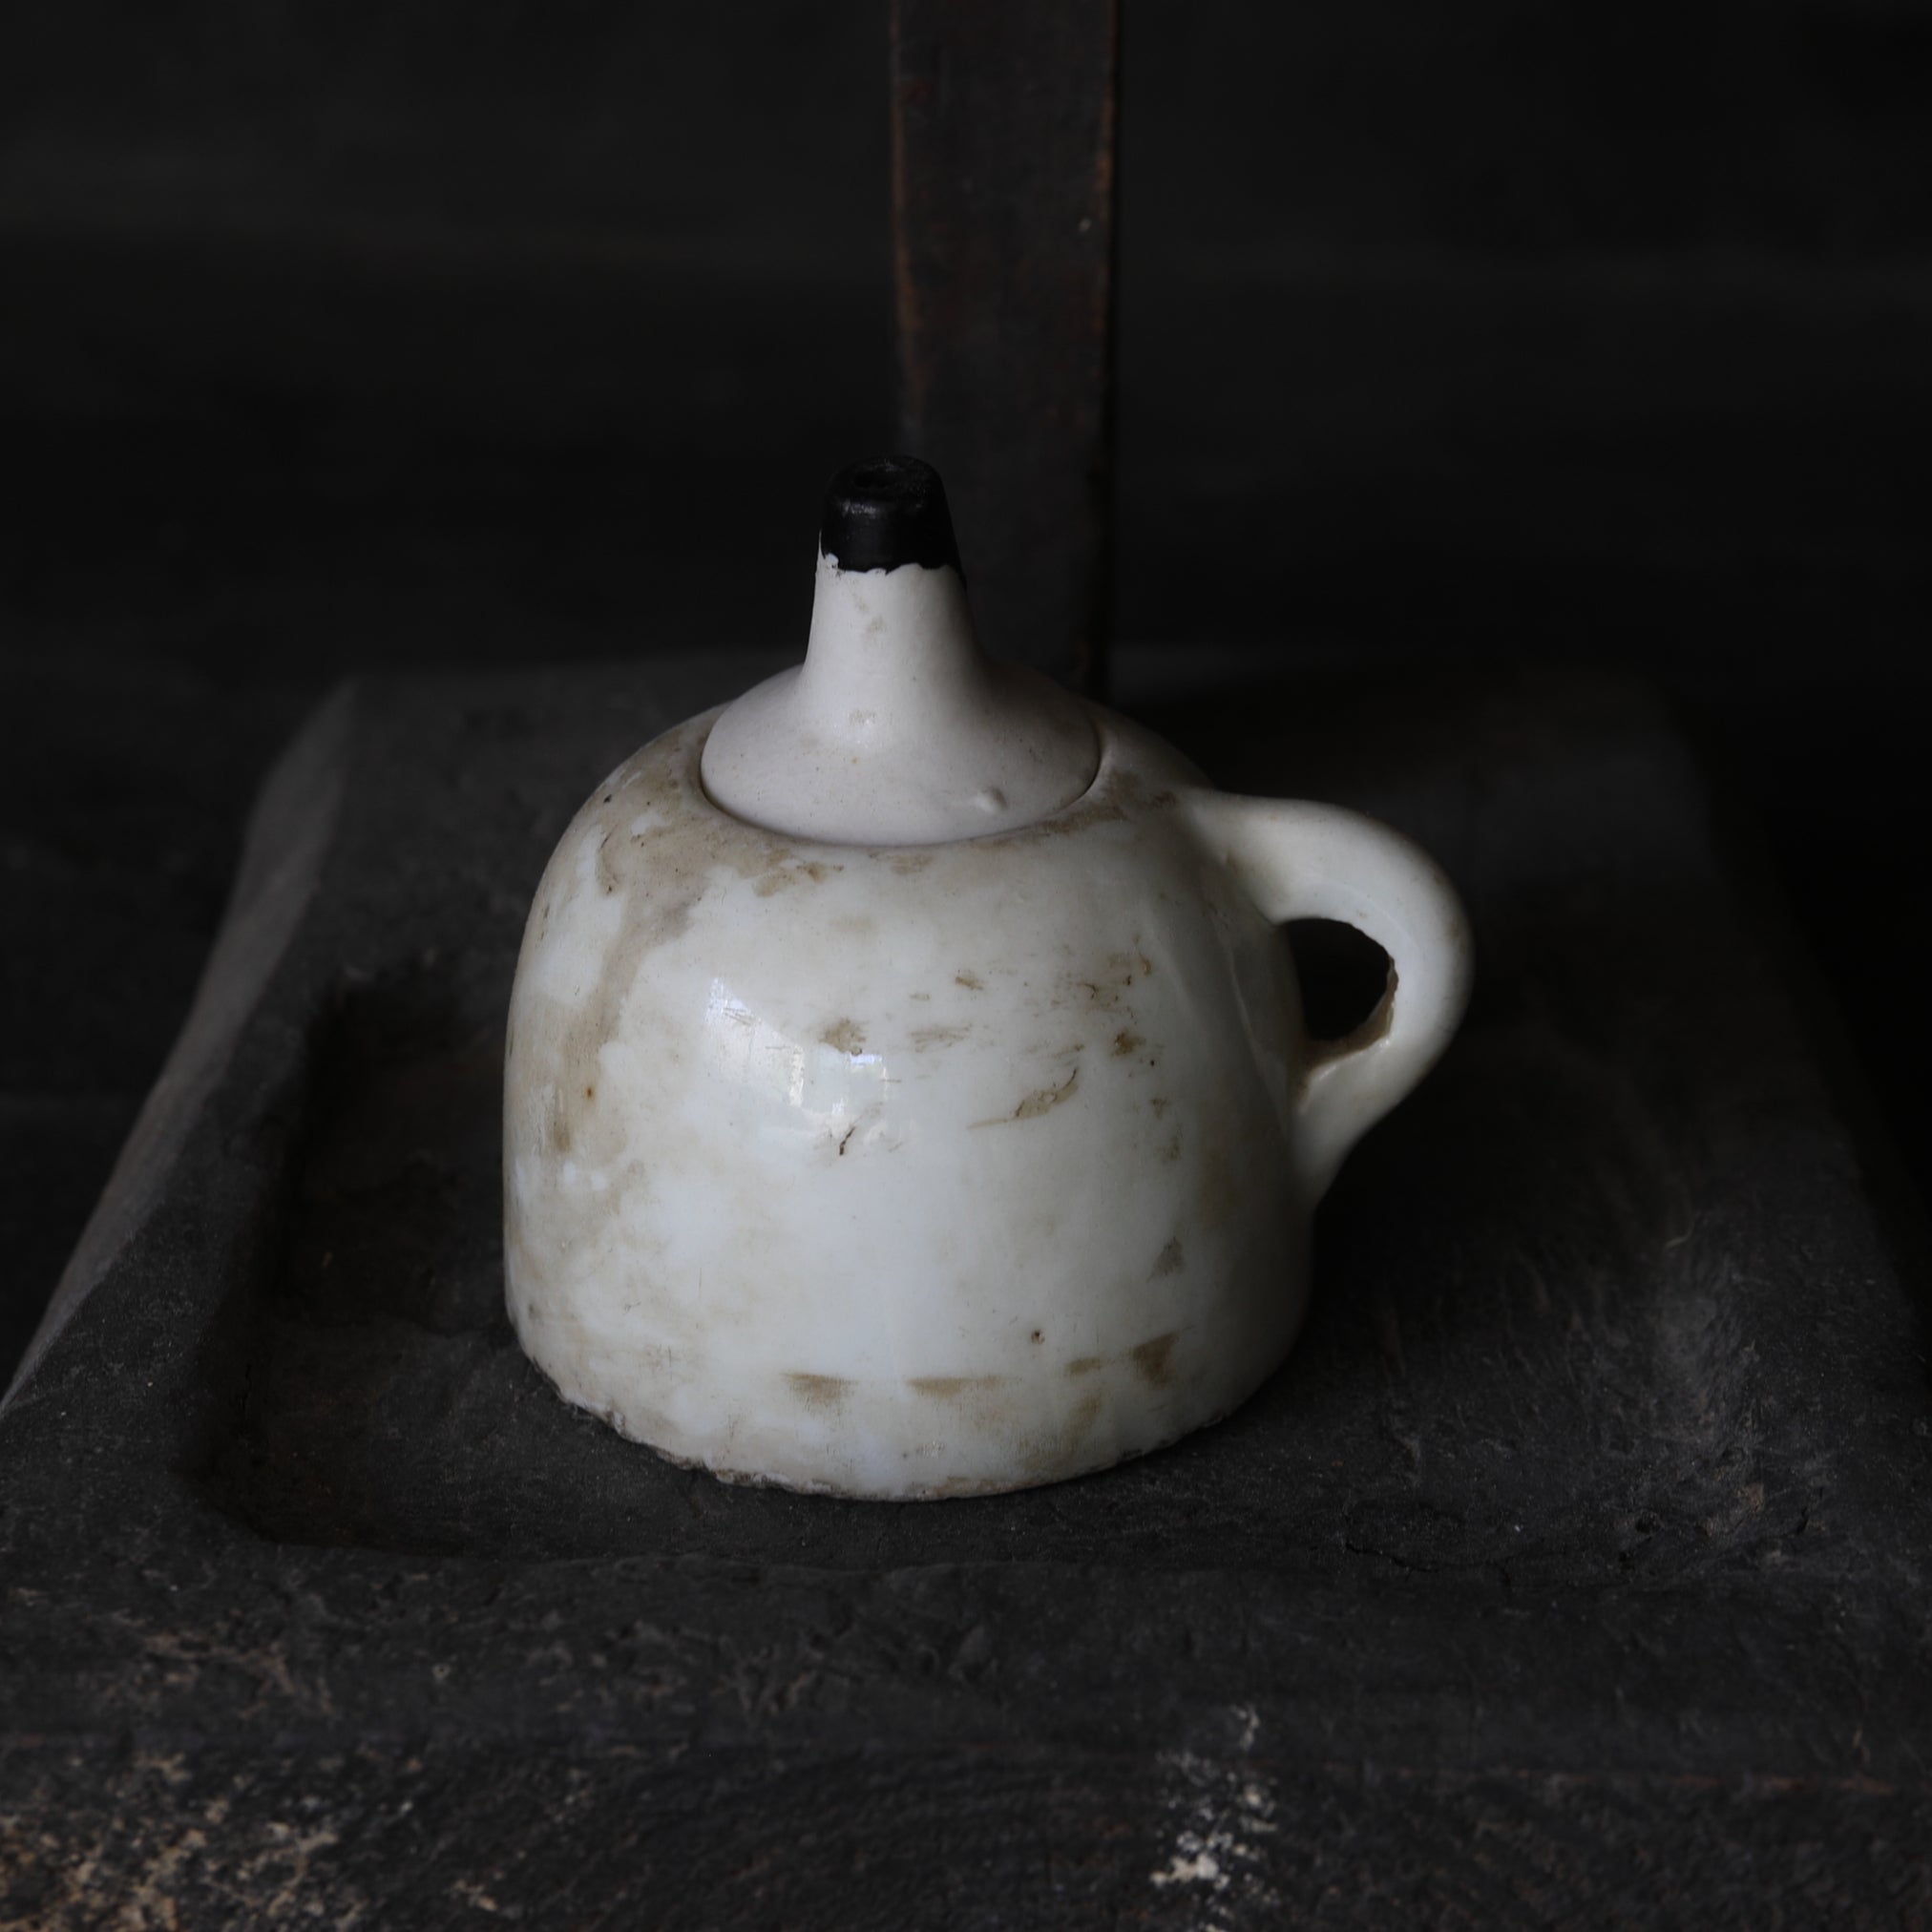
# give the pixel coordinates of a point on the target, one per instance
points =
(933, 1166)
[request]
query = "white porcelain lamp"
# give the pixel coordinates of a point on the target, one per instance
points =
(907, 1090)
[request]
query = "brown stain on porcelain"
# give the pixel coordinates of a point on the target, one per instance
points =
(784, 873)
(1169, 1261)
(924, 1038)
(660, 875)
(844, 1036)
(952, 1388)
(1152, 1359)
(1101, 987)
(1046, 1456)
(1041, 1101)
(823, 1394)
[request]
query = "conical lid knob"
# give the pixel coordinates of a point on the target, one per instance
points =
(896, 729)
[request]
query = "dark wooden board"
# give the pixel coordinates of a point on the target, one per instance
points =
(1004, 138)
(1571, 1570)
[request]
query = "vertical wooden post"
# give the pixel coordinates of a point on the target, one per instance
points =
(1004, 117)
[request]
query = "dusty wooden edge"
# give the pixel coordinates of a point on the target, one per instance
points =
(287, 836)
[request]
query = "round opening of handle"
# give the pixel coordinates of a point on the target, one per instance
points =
(1344, 978)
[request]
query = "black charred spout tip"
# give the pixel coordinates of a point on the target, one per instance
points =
(885, 511)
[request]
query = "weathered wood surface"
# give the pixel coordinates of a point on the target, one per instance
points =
(1003, 188)
(1571, 1570)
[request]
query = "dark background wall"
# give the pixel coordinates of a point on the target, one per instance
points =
(340, 337)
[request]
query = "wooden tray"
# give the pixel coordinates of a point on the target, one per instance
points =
(1570, 1569)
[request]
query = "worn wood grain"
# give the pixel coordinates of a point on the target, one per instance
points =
(1003, 193)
